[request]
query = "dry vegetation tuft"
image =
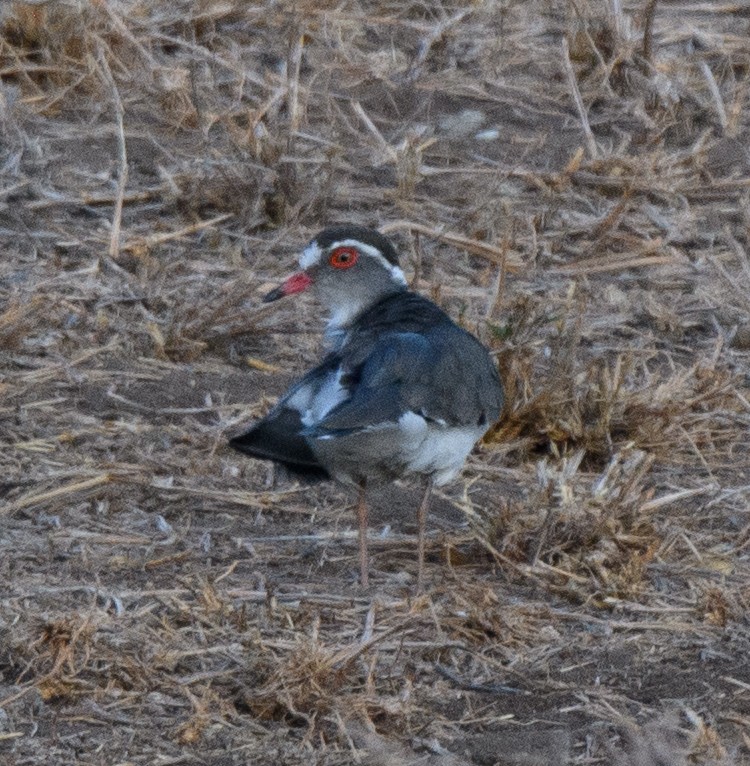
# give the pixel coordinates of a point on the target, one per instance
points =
(572, 182)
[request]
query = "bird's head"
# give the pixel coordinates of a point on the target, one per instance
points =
(349, 268)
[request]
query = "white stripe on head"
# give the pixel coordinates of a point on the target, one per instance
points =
(312, 254)
(372, 252)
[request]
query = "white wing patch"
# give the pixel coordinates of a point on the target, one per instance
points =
(300, 399)
(330, 394)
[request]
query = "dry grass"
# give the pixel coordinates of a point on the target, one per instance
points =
(573, 184)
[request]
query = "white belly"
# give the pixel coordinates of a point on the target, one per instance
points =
(433, 449)
(388, 451)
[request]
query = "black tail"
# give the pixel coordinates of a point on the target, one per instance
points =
(278, 439)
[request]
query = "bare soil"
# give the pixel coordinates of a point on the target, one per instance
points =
(570, 181)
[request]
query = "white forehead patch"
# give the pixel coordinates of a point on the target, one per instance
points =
(310, 256)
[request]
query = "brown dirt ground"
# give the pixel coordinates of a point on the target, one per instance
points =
(572, 182)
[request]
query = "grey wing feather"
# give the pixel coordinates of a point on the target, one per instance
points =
(411, 372)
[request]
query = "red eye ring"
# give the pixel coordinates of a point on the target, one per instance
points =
(343, 257)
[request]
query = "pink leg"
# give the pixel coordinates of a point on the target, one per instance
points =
(421, 523)
(362, 516)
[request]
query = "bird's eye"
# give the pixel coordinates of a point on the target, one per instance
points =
(343, 257)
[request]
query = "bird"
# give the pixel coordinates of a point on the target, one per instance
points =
(402, 390)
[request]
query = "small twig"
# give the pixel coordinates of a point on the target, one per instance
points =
(15, 187)
(295, 64)
(498, 255)
(433, 37)
(474, 687)
(731, 280)
(542, 537)
(648, 31)
(573, 84)
(619, 18)
(715, 95)
(370, 125)
(142, 408)
(597, 267)
(671, 498)
(67, 489)
(692, 547)
(542, 568)
(122, 176)
(417, 273)
(248, 499)
(612, 218)
(498, 284)
(158, 239)
(104, 199)
(123, 29)
(736, 681)
(592, 43)
(742, 255)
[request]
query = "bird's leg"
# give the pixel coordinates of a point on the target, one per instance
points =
(421, 523)
(362, 516)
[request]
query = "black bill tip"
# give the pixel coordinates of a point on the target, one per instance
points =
(274, 295)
